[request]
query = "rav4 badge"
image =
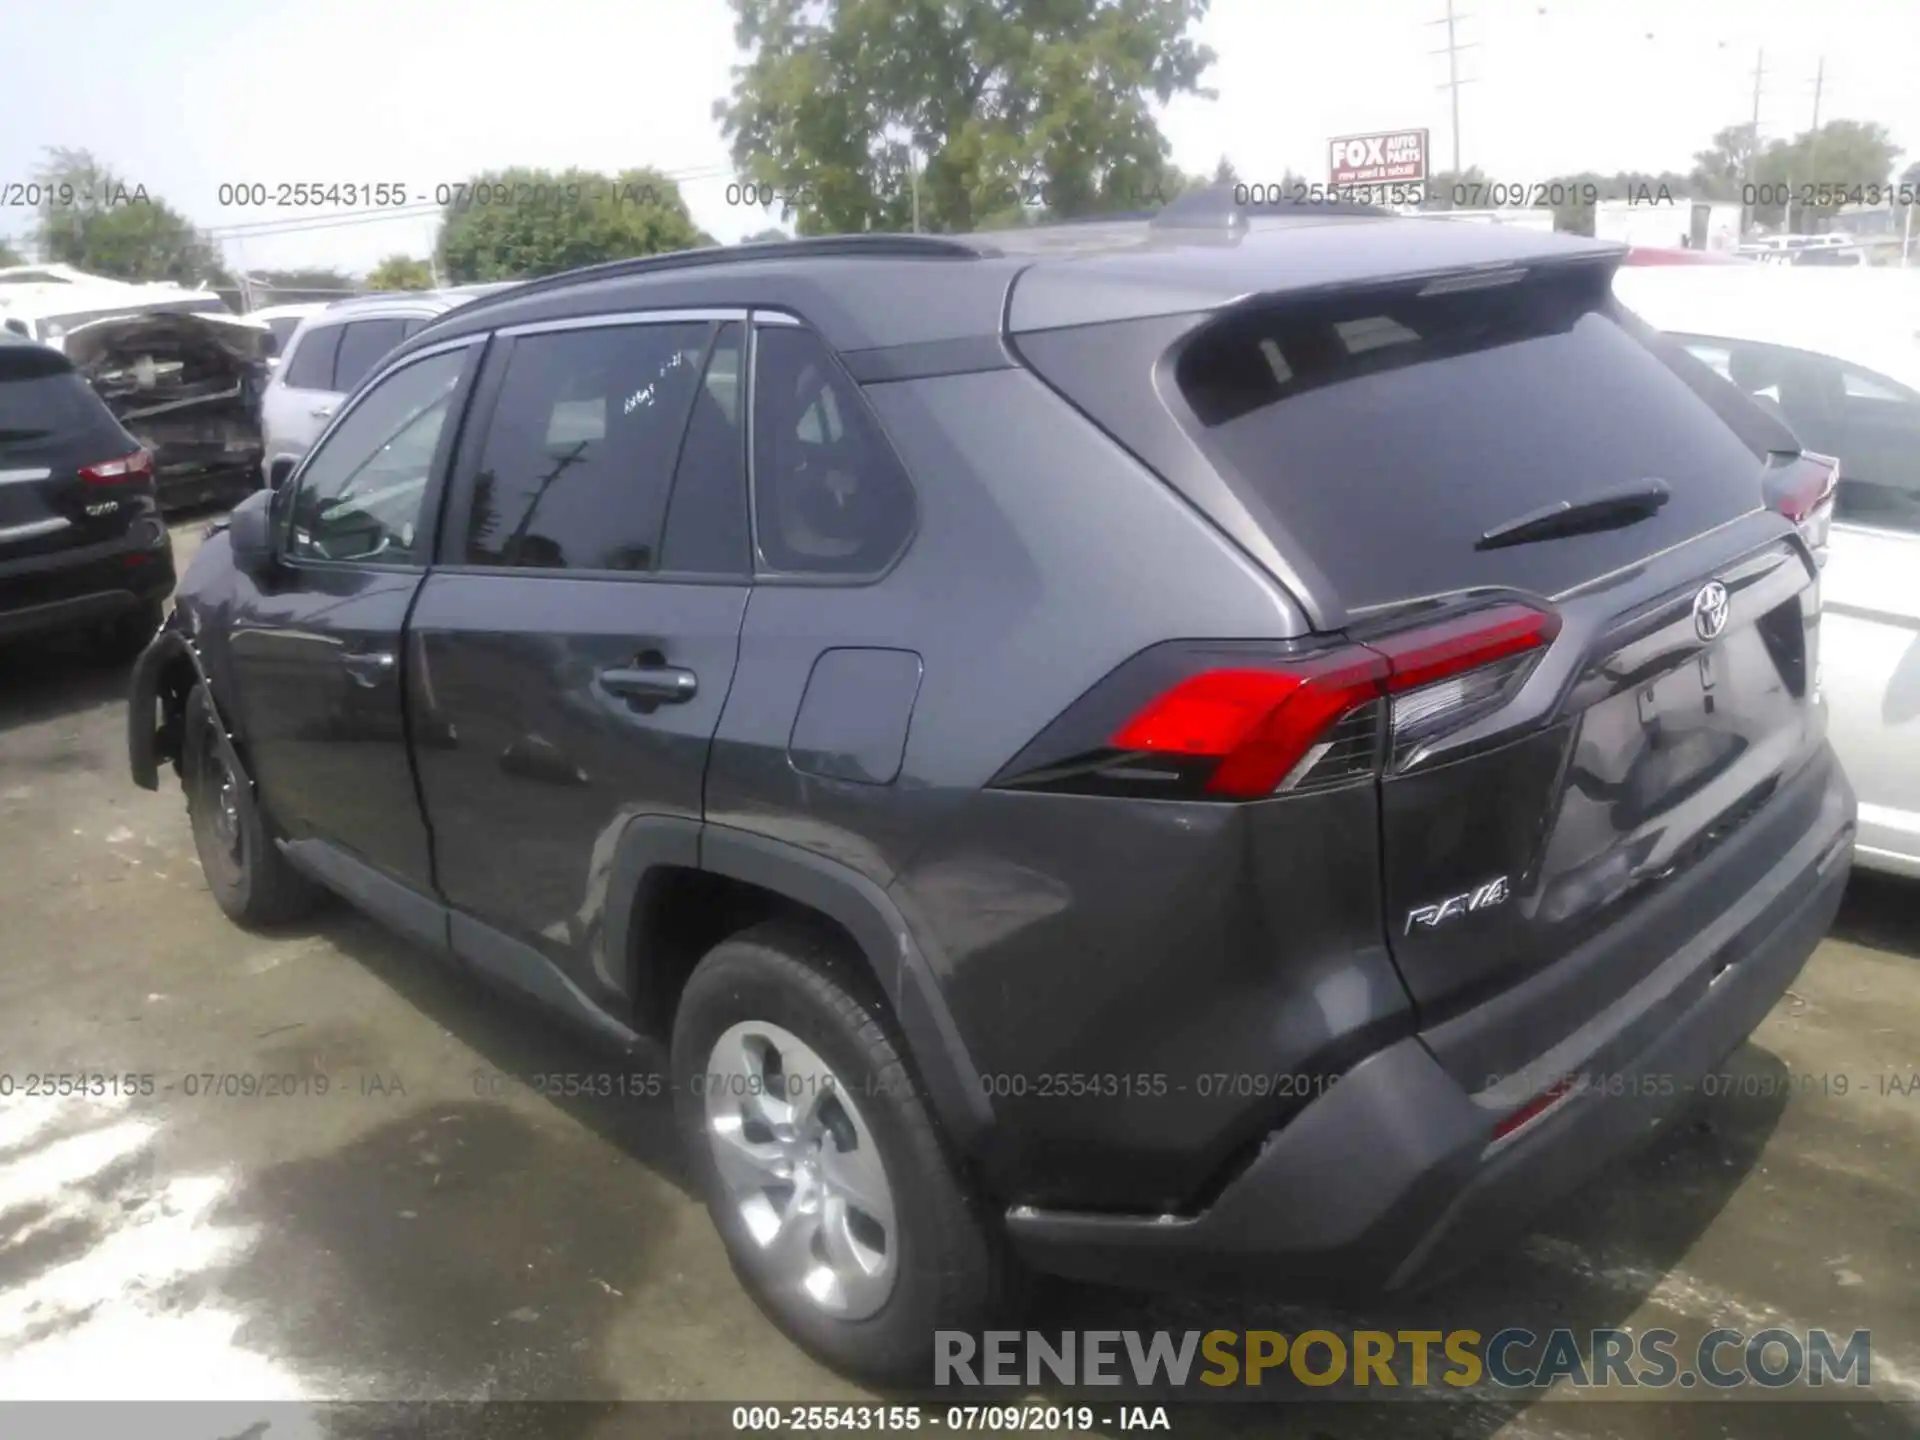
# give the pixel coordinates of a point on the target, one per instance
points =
(1481, 897)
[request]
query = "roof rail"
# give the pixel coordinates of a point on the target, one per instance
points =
(1216, 208)
(874, 246)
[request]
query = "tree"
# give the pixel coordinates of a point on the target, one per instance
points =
(9, 255)
(762, 236)
(1842, 155)
(1469, 187)
(401, 272)
(1720, 170)
(1007, 106)
(521, 223)
(1224, 173)
(309, 279)
(94, 220)
(1911, 175)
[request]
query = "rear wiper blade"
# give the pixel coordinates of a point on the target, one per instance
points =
(1605, 511)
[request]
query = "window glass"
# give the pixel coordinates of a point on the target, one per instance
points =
(362, 347)
(1869, 423)
(416, 325)
(580, 450)
(707, 517)
(311, 365)
(359, 496)
(283, 327)
(829, 493)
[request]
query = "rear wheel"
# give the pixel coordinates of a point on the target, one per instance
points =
(249, 877)
(840, 1208)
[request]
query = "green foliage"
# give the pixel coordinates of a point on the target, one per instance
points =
(522, 223)
(401, 272)
(1842, 154)
(762, 236)
(9, 255)
(95, 220)
(1224, 173)
(1468, 185)
(1573, 212)
(309, 279)
(1014, 106)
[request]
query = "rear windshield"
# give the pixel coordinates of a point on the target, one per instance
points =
(39, 403)
(1386, 432)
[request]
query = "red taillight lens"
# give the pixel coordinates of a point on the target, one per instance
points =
(1808, 501)
(133, 469)
(1536, 1107)
(1313, 721)
(1259, 724)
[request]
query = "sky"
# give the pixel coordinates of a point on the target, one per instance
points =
(184, 99)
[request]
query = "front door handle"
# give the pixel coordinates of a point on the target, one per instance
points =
(658, 684)
(322, 412)
(368, 667)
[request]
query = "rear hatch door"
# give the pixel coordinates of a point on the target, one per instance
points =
(51, 425)
(1426, 449)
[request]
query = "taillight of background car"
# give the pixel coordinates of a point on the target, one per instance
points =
(1230, 723)
(134, 469)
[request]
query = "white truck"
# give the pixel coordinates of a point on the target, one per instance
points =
(1669, 222)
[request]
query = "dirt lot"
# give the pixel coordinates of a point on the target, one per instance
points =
(426, 1231)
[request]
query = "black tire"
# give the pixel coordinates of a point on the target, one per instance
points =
(249, 877)
(951, 1272)
(126, 637)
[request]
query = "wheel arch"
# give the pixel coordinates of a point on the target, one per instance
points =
(665, 869)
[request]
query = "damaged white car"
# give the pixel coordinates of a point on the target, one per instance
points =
(188, 387)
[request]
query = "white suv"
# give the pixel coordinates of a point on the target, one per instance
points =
(332, 351)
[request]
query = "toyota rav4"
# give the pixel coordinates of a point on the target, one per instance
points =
(1228, 744)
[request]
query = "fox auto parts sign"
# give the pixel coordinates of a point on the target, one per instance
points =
(1381, 159)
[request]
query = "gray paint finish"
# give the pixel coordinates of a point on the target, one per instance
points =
(853, 717)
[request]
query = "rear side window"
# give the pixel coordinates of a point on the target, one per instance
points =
(830, 496)
(363, 345)
(311, 365)
(1386, 432)
(581, 446)
(707, 531)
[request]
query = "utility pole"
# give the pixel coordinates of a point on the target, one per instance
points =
(913, 169)
(1454, 82)
(1753, 139)
(1813, 134)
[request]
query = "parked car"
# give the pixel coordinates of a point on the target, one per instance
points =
(283, 320)
(1837, 356)
(1316, 777)
(329, 352)
(81, 542)
(188, 387)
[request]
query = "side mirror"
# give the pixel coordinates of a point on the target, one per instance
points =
(250, 534)
(280, 471)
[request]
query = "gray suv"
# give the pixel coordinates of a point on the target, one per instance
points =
(1234, 745)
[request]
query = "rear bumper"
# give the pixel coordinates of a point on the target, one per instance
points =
(196, 483)
(1393, 1178)
(75, 588)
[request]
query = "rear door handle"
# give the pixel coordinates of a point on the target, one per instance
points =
(322, 412)
(368, 667)
(661, 684)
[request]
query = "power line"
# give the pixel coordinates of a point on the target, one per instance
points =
(1454, 82)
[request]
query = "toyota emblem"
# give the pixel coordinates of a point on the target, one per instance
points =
(1710, 610)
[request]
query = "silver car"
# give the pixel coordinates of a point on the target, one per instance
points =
(331, 352)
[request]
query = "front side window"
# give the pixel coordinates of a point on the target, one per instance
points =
(581, 446)
(830, 496)
(359, 496)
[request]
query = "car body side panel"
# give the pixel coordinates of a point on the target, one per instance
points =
(1870, 671)
(1064, 933)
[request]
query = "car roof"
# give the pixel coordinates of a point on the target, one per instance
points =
(875, 292)
(1869, 316)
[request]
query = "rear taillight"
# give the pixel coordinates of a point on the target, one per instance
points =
(1260, 727)
(134, 469)
(1807, 500)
